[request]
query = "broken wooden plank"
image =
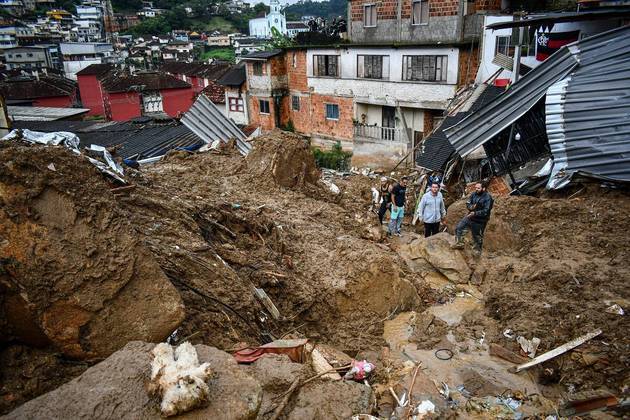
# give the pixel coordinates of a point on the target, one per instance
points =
(505, 354)
(558, 351)
(266, 301)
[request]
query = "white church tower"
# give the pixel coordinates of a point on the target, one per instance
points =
(261, 27)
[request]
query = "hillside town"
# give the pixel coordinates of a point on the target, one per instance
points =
(346, 209)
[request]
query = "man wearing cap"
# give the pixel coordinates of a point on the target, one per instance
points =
(398, 207)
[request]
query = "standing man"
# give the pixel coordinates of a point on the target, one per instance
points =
(432, 210)
(398, 206)
(385, 191)
(479, 207)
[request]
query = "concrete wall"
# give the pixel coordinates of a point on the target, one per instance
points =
(237, 117)
(392, 90)
(488, 47)
(177, 101)
(377, 154)
(91, 94)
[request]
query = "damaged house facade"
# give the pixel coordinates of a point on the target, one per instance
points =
(378, 95)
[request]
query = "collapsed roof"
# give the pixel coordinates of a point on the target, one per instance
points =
(585, 92)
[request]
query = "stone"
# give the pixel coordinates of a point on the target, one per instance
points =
(115, 389)
(436, 251)
(331, 400)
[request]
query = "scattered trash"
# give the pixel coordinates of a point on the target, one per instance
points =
(508, 333)
(505, 354)
(444, 354)
(360, 370)
(615, 309)
(424, 408)
(558, 351)
(292, 348)
(51, 167)
(236, 206)
(321, 365)
(332, 187)
(267, 302)
(529, 347)
(178, 379)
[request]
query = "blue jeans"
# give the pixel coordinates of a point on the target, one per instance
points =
(477, 229)
(396, 219)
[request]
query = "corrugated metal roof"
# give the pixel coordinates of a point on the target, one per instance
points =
(588, 113)
(205, 120)
(43, 113)
(134, 140)
(508, 107)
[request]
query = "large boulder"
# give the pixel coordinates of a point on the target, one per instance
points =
(116, 389)
(331, 400)
(73, 272)
(502, 230)
(435, 251)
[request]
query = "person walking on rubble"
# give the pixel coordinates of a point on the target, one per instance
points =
(397, 211)
(385, 191)
(479, 207)
(432, 210)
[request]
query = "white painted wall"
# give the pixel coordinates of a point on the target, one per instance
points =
(237, 117)
(392, 90)
(488, 47)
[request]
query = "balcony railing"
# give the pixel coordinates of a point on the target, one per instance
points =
(375, 132)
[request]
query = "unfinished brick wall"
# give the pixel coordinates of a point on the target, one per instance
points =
(428, 123)
(342, 128)
(388, 9)
(297, 79)
(468, 65)
(356, 10)
(278, 65)
(444, 7)
(265, 121)
(487, 5)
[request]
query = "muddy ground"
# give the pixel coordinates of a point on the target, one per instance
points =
(218, 224)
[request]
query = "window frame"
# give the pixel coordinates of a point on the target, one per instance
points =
(236, 104)
(336, 106)
(255, 66)
(295, 103)
(426, 65)
(497, 42)
(326, 65)
(260, 106)
(383, 76)
(413, 3)
(375, 15)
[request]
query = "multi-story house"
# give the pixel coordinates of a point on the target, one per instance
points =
(380, 94)
(79, 55)
(30, 58)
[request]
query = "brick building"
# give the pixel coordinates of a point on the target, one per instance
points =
(119, 96)
(381, 93)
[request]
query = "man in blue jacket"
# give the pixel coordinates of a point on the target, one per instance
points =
(479, 207)
(432, 210)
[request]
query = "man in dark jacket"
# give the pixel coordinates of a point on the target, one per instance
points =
(479, 207)
(385, 191)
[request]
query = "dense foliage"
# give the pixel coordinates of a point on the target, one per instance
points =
(327, 9)
(335, 158)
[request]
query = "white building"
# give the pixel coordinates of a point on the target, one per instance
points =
(261, 27)
(79, 55)
(294, 28)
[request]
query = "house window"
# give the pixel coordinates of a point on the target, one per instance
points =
(502, 45)
(430, 68)
(295, 103)
(258, 69)
(152, 102)
(235, 104)
(369, 15)
(332, 111)
(29, 54)
(326, 65)
(420, 15)
(373, 66)
(264, 106)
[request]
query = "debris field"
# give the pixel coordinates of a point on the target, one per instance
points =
(229, 252)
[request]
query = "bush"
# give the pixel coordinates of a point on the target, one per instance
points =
(289, 126)
(335, 158)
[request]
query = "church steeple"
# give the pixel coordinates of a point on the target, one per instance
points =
(274, 5)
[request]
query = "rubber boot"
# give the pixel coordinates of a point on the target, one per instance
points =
(458, 245)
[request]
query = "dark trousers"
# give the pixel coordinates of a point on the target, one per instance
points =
(381, 212)
(431, 229)
(475, 227)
